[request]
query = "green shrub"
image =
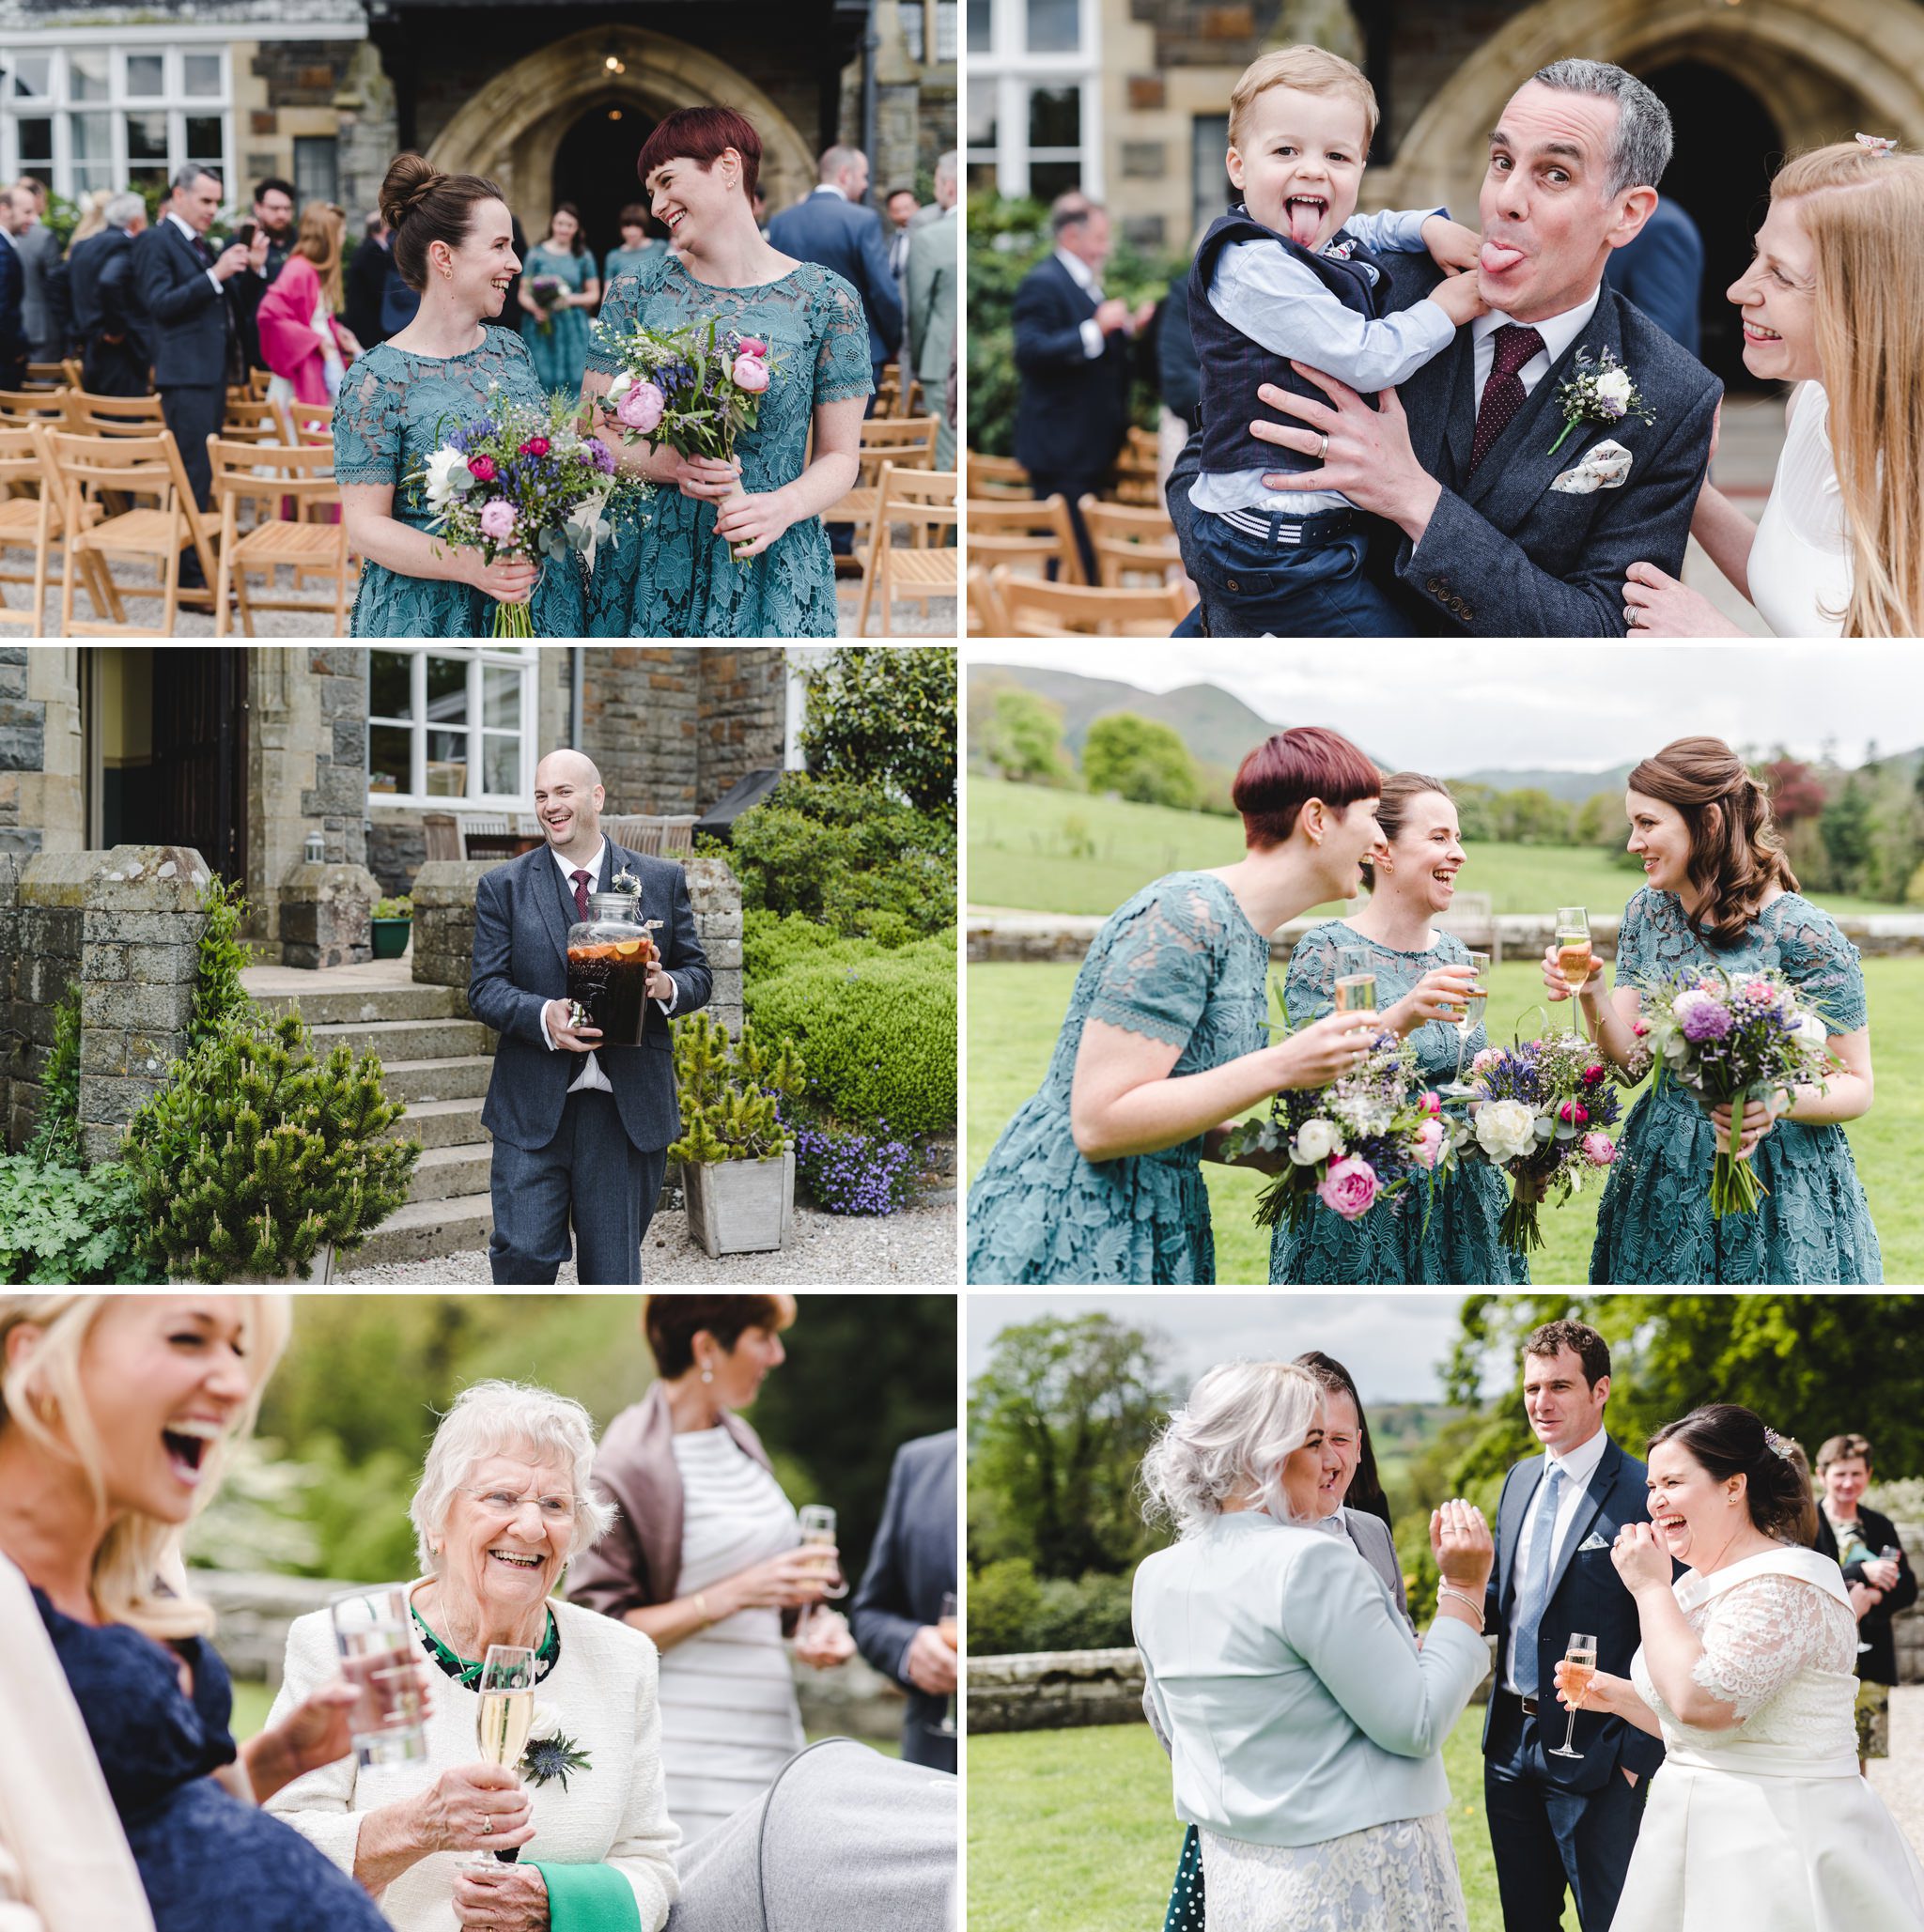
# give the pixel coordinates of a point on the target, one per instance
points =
(56, 1139)
(1012, 1613)
(1003, 1598)
(879, 1034)
(729, 1090)
(218, 996)
(401, 908)
(849, 857)
(885, 717)
(59, 1226)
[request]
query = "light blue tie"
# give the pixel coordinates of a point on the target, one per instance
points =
(1535, 1595)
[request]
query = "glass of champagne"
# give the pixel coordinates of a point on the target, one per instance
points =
(1355, 981)
(1469, 1017)
(818, 1533)
(950, 1630)
(1581, 1653)
(1575, 959)
(377, 1653)
(507, 1712)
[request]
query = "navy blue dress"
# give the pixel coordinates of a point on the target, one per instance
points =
(206, 1859)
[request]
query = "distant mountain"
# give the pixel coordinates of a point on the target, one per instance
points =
(1572, 787)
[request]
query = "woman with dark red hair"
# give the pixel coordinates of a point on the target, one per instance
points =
(1720, 896)
(1098, 1176)
(683, 578)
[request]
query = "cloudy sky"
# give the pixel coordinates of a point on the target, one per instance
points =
(1391, 1343)
(1577, 706)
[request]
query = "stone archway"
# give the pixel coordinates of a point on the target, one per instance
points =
(511, 128)
(1824, 69)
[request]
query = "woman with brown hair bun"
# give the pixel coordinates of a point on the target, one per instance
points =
(453, 242)
(1721, 894)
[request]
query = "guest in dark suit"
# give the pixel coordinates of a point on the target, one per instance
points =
(116, 356)
(183, 288)
(366, 277)
(1503, 531)
(1855, 1537)
(39, 261)
(1072, 354)
(1661, 271)
(16, 217)
(580, 1129)
(834, 228)
(912, 1566)
(273, 216)
(1558, 1823)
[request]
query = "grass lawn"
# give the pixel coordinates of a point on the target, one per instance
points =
(1025, 850)
(1015, 1013)
(1056, 1816)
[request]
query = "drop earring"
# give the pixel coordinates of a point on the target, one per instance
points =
(707, 1375)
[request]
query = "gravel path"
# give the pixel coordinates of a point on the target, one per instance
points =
(1899, 1779)
(915, 1250)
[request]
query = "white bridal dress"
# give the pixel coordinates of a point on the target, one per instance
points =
(1768, 1826)
(1800, 559)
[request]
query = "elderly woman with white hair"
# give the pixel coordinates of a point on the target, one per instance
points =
(504, 1502)
(1305, 1723)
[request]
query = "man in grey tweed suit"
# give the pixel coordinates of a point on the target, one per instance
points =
(580, 1130)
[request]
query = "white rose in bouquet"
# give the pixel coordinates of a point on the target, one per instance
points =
(1812, 1031)
(1614, 386)
(448, 477)
(1315, 1140)
(1506, 1128)
(620, 387)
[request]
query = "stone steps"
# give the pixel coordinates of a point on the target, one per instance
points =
(442, 1123)
(462, 1077)
(370, 1004)
(445, 1173)
(426, 1229)
(406, 1040)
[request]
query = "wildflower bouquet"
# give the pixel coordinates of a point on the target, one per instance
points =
(521, 480)
(696, 389)
(544, 289)
(1537, 1113)
(1360, 1140)
(1729, 1039)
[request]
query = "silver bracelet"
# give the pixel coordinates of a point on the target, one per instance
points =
(1463, 1597)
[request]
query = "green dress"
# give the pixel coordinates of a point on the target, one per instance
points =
(1391, 1245)
(1180, 963)
(560, 354)
(682, 580)
(395, 410)
(1813, 1228)
(629, 261)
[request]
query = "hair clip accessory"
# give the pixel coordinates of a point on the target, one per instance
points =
(1777, 1444)
(1879, 145)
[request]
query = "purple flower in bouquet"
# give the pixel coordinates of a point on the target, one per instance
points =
(545, 288)
(1706, 1019)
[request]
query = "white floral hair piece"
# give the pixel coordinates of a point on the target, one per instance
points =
(1879, 145)
(1777, 1444)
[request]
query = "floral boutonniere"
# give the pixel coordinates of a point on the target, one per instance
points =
(1601, 391)
(550, 1753)
(625, 881)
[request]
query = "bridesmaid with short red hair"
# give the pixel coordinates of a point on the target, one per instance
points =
(1098, 1176)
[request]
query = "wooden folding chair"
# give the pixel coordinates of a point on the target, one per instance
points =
(907, 442)
(994, 476)
(1037, 609)
(310, 422)
(29, 520)
(1130, 541)
(84, 469)
(45, 374)
(928, 567)
(987, 617)
(1136, 469)
(113, 415)
(21, 406)
(248, 421)
(320, 548)
(1035, 533)
(70, 369)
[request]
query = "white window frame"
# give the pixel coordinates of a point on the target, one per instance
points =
(59, 105)
(479, 658)
(1010, 72)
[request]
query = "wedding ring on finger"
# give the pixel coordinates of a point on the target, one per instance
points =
(1322, 448)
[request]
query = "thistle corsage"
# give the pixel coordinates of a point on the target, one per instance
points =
(550, 1753)
(1601, 391)
(625, 881)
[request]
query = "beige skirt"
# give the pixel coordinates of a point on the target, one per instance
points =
(1394, 1878)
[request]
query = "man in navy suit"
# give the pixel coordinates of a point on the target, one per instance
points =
(183, 288)
(1072, 346)
(1504, 525)
(16, 218)
(912, 1566)
(1559, 1822)
(1662, 272)
(580, 1129)
(833, 227)
(115, 356)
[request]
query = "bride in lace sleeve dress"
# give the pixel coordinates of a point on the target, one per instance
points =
(1759, 1816)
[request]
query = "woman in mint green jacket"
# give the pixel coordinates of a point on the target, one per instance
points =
(1305, 1726)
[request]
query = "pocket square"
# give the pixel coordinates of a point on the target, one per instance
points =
(1592, 1542)
(1605, 468)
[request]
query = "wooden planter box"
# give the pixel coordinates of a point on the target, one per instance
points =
(740, 1207)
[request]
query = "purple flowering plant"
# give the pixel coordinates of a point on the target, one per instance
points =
(1728, 1039)
(852, 1171)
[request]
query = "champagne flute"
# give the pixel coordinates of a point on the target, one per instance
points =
(1468, 1017)
(1581, 1653)
(505, 1716)
(950, 1630)
(1355, 981)
(818, 1533)
(1573, 956)
(378, 1658)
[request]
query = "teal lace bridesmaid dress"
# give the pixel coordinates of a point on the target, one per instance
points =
(681, 582)
(1390, 1245)
(629, 261)
(1813, 1228)
(560, 354)
(393, 411)
(1181, 964)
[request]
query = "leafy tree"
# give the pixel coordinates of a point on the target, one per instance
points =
(1476, 811)
(1023, 739)
(1847, 831)
(1796, 792)
(1059, 1421)
(1530, 816)
(885, 717)
(1600, 821)
(1140, 760)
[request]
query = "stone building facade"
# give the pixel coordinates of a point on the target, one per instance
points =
(551, 98)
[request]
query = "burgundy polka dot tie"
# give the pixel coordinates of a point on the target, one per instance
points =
(580, 880)
(1503, 393)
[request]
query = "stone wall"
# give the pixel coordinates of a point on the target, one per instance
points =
(742, 718)
(40, 926)
(42, 802)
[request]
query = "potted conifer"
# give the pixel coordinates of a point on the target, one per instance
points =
(738, 1157)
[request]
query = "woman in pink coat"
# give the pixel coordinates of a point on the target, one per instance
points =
(302, 343)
